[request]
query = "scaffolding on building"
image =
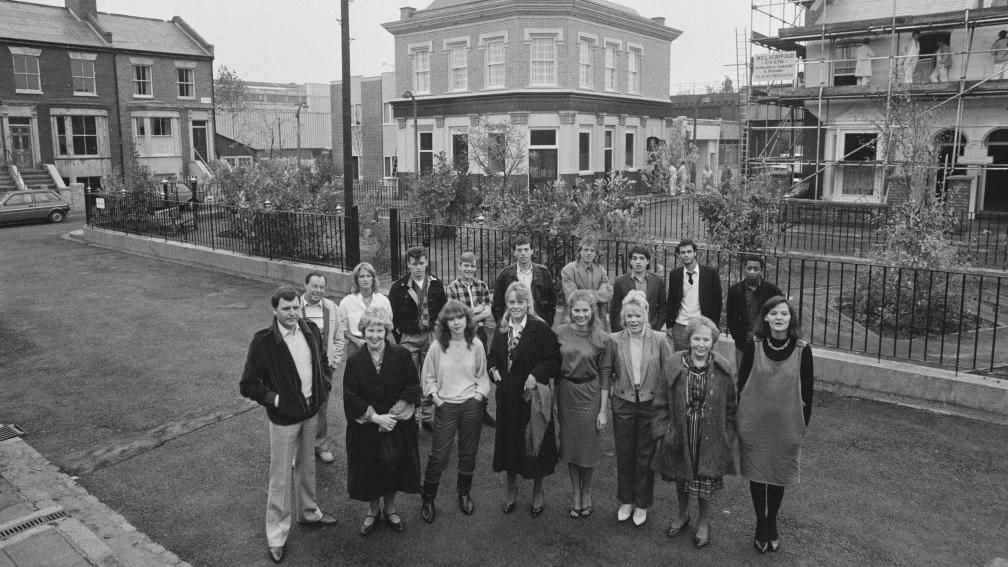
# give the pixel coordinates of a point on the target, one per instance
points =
(786, 122)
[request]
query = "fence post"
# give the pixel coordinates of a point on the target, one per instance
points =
(352, 241)
(393, 217)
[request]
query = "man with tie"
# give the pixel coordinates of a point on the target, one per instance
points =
(693, 290)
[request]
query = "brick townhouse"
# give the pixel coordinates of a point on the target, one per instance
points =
(79, 89)
(585, 82)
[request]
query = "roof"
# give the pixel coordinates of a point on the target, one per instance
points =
(450, 3)
(54, 24)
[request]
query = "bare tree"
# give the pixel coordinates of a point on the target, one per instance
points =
(500, 151)
(230, 91)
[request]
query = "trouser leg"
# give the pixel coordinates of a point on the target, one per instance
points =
(626, 447)
(643, 475)
(304, 472)
(278, 505)
(445, 427)
(470, 426)
(677, 334)
(322, 426)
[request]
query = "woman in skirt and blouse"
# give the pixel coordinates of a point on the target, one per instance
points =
(694, 426)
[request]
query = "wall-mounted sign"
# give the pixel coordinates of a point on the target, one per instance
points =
(776, 67)
(205, 100)
(99, 203)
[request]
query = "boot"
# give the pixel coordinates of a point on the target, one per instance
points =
(465, 503)
(428, 494)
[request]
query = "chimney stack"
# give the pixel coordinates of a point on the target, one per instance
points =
(660, 20)
(405, 13)
(83, 8)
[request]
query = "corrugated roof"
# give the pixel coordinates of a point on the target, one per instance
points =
(49, 24)
(54, 24)
(144, 34)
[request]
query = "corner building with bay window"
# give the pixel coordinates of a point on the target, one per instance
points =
(585, 82)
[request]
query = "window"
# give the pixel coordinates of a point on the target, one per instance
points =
(584, 151)
(633, 71)
(426, 152)
(154, 136)
(83, 73)
(391, 166)
(495, 64)
(497, 152)
(629, 150)
(142, 81)
(459, 58)
(186, 83)
(610, 67)
(238, 161)
(585, 78)
(607, 150)
(141, 129)
(18, 199)
(542, 155)
(26, 70)
(387, 115)
(76, 135)
(543, 61)
(355, 114)
(160, 126)
(421, 71)
(859, 164)
(460, 152)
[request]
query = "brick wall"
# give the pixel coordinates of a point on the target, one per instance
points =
(371, 119)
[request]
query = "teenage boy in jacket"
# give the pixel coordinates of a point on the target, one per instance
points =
(535, 276)
(693, 290)
(745, 300)
(285, 372)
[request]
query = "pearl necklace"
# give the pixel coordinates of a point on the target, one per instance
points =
(787, 343)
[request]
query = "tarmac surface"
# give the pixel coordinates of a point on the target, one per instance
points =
(124, 372)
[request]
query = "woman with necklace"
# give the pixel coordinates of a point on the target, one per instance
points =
(643, 356)
(455, 376)
(694, 426)
(380, 392)
(775, 384)
(582, 394)
(524, 359)
(363, 294)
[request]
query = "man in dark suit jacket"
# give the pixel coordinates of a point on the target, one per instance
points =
(536, 276)
(643, 279)
(693, 290)
(745, 300)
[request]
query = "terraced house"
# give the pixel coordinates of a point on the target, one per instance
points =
(585, 82)
(80, 89)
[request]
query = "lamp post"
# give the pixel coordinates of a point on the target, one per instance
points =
(297, 116)
(416, 134)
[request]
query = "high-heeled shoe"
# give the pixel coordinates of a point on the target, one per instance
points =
(674, 530)
(510, 506)
(395, 521)
(537, 511)
(367, 526)
(774, 545)
(761, 546)
(701, 542)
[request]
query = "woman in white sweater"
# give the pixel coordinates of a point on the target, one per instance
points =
(363, 294)
(455, 376)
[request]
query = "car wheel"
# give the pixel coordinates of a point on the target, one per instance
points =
(56, 216)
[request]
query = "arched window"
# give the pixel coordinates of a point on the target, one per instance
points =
(995, 196)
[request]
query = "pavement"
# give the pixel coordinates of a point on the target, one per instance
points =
(124, 369)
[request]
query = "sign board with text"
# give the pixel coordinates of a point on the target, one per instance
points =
(774, 68)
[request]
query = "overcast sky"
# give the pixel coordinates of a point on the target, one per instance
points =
(299, 40)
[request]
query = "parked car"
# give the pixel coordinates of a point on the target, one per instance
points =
(24, 206)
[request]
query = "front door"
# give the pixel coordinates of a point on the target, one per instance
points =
(21, 143)
(996, 184)
(199, 140)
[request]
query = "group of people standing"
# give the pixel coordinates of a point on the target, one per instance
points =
(431, 355)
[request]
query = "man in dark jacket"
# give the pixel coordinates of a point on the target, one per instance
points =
(640, 278)
(693, 290)
(416, 300)
(285, 373)
(745, 300)
(533, 275)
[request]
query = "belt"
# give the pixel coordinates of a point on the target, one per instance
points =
(579, 380)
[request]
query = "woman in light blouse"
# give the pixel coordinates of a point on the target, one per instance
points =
(455, 376)
(643, 356)
(363, 294)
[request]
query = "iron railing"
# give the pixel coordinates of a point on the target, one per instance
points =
(951, 319)
(280, 235)
(839, 229)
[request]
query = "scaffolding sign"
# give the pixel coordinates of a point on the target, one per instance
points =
(774, 68)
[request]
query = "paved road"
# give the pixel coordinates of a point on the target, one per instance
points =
(124, 371)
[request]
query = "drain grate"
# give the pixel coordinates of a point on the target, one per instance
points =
(31, 523)
(10, 431)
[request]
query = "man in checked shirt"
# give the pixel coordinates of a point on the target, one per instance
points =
(475, 293)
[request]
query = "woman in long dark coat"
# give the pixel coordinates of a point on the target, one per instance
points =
(381, 388)
(524, 358)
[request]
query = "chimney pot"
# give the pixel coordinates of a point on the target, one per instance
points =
(660, 20)
(406, 13)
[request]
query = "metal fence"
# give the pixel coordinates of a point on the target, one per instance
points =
(948, 319)
(281, 235)
(830, 228)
